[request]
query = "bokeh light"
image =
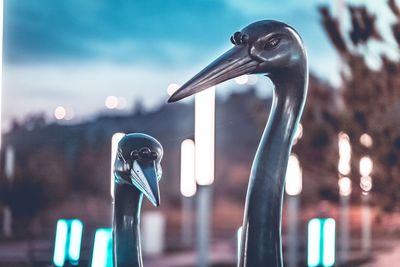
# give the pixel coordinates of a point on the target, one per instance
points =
(111, 102)
(366, 183)
(60, 112)
(344, 186)
(366, 166)
(122, 103)
(366, 140)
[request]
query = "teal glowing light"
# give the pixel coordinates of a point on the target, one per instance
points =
(75, 241)
(329, 242)
(321, 242)
(60, 243)
(102, 248)
(67, 245)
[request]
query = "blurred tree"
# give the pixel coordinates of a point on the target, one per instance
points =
(317, 149)
(34, 121)
(372, 105)
(331, 26)
(49, 165)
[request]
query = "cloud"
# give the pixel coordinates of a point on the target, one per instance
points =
(164, 32)
(57, 29)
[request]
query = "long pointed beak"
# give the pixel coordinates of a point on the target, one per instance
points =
(144, 177)
(233, 63)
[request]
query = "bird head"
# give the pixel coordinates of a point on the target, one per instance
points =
(265, 46)
(138, 163)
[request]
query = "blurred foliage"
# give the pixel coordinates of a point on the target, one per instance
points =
(371, 100)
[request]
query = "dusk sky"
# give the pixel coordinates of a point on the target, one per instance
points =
(75, 53)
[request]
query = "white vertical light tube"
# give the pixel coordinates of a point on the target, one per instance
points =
(188, 179)
(329, 233)
(9, 166)
(293, 187)
(205, 136)
(313, 245)
(188, 189)
(114, 147)
(204, 167)
(294, 179)
(366, 167)
(345, 188)
(344, 167)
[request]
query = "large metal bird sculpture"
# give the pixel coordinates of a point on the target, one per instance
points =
(276, 50)
(137, 171)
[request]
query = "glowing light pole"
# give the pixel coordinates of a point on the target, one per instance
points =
(204, 167)
(67, 245)
(293, 188)
(321, 242)
(102, 248)
(366, 167)
(188, 188)
(344, 184)
(9, 173)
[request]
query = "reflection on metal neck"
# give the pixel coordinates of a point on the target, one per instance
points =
(126, 226)
(261, 237)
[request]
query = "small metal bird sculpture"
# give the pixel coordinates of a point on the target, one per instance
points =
(276, 50)
(137, 171)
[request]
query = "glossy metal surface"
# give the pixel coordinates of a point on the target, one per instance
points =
(137, 171)
(276, 50)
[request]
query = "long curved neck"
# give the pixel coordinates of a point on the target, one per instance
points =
(261, 238)
(126, 226)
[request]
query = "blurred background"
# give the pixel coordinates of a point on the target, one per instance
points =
(77, 72)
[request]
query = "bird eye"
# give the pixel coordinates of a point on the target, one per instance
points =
(273, 42)
(145, 153)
